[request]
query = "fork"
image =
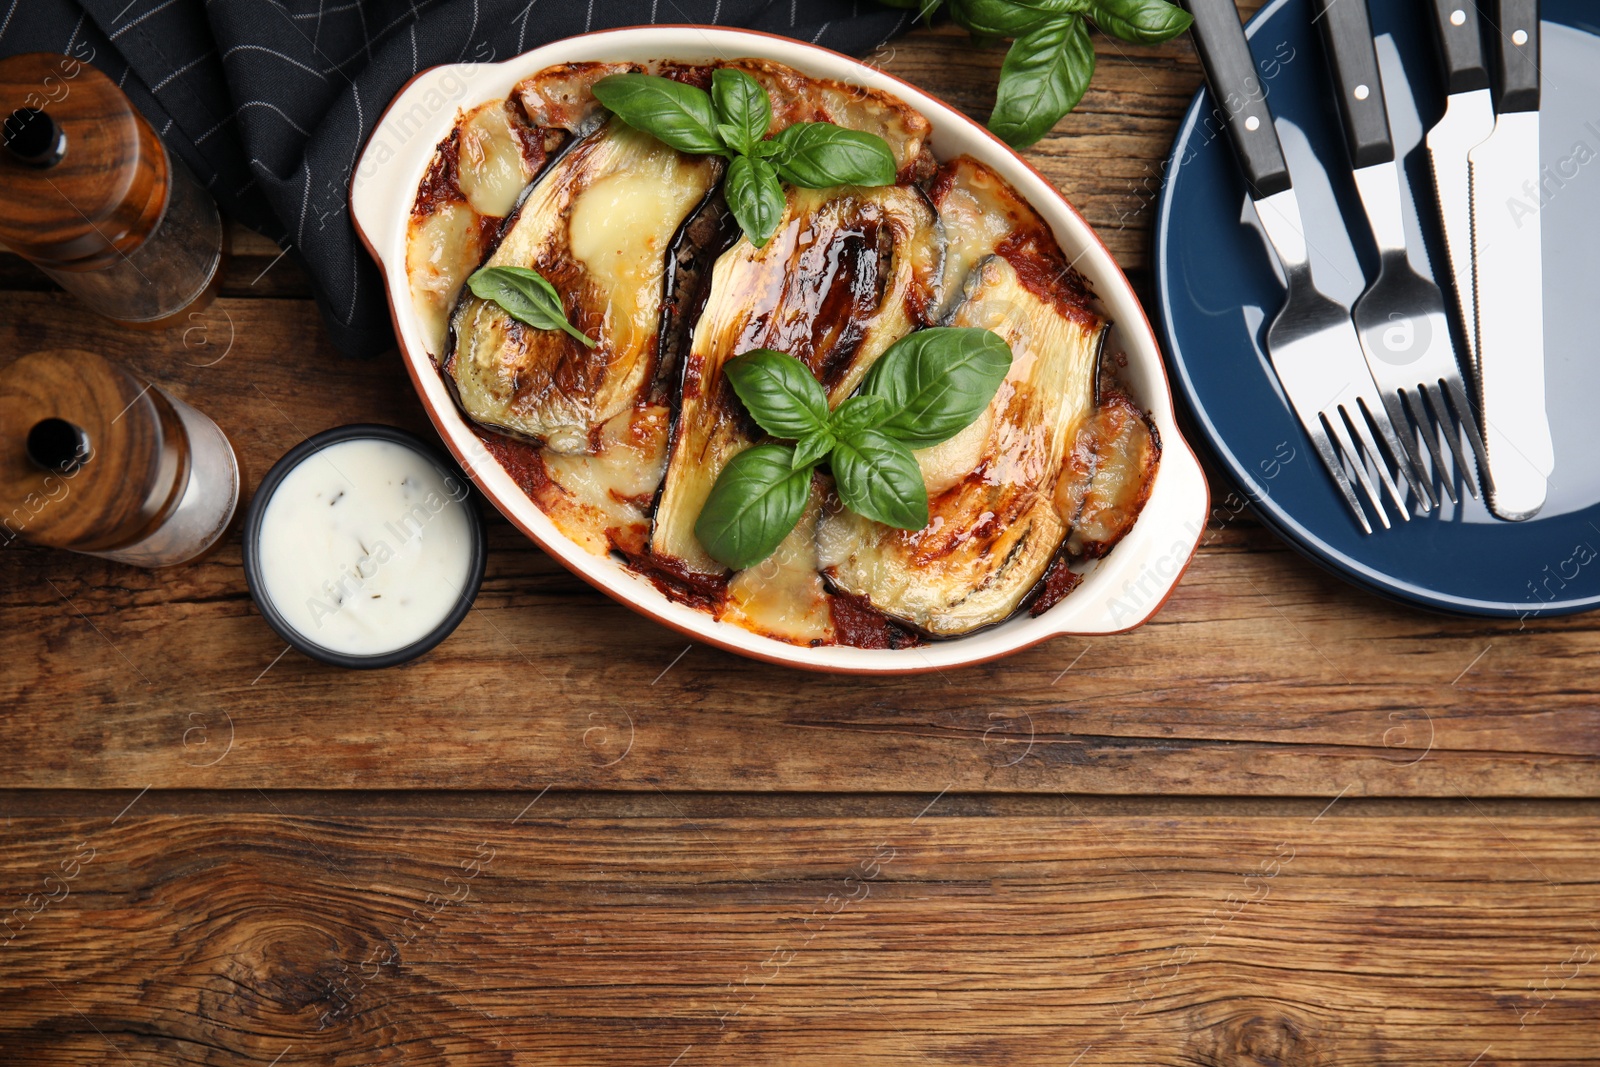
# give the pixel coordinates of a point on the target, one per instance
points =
(1401, 318)
(1312, 340)
(1315, 350)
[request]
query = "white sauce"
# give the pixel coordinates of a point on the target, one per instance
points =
(365, 547)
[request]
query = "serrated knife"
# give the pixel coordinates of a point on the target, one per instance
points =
(1508, 286)
(1468, 121)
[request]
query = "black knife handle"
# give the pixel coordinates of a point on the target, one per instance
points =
(1460, 45)
(1353, 59)
(1516, 49)
(1239, 94)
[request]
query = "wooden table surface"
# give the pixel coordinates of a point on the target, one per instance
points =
(1283, 823)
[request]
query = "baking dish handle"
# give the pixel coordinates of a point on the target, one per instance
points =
(383, 181)
(1129, 586)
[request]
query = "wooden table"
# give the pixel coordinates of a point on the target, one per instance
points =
(1284, 823)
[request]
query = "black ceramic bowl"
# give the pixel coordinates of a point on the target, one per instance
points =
(252, 558)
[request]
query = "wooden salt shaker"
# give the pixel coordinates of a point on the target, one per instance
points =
(96, 461)
(91, 196)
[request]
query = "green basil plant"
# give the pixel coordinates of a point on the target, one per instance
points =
(1051, 59)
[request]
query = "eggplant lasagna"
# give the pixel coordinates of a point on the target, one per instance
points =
(620, 444)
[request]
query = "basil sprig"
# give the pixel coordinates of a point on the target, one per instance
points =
(1051, 59)
(731, 121)
(925, 389)
(526, 296)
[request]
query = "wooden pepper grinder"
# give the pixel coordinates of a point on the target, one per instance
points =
(93, 460)
(90, 195)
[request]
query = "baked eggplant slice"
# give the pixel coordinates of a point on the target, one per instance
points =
(705, 235)
(848, 273)
(993, 528)
(1107, 476)
(601, 498)
(599, 225)
(473, 182)
(498, 156)
(561, 97)
(443, 244)
(978, 210)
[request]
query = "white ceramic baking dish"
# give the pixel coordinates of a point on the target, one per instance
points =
(1119, 592)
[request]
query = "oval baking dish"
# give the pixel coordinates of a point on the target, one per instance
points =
(1117, 593)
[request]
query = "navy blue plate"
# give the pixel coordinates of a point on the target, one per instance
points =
(1218, 288)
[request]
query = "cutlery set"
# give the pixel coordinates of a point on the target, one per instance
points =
(1378, 385)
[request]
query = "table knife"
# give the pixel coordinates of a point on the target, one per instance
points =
(1507, 272)
(1468, 121)
(1311, 341)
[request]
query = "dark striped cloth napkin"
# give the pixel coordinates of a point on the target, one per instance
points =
(269, 102)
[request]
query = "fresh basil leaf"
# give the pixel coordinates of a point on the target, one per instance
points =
(1043, 77)
(1140, 21)
(769, 149)
(778, 146)
(755, 197)
(813, 448)
(526, 296)
(742, 105)
(779, 391)
(878, 477)
(1009, 18)
(820, 155)
(733, 137)
(936, 381)
(678, 115)
(862, 412)
(757, 499)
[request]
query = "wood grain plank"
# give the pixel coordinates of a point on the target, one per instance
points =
(1014, 921)
(1262, 674)
(264, 939)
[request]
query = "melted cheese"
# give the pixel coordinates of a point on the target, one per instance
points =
(610, 488)
(946, 464)
(784, 595)
(441, 249)
(619, 230)
(971, 233)
(978, 210)
(492, 171)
